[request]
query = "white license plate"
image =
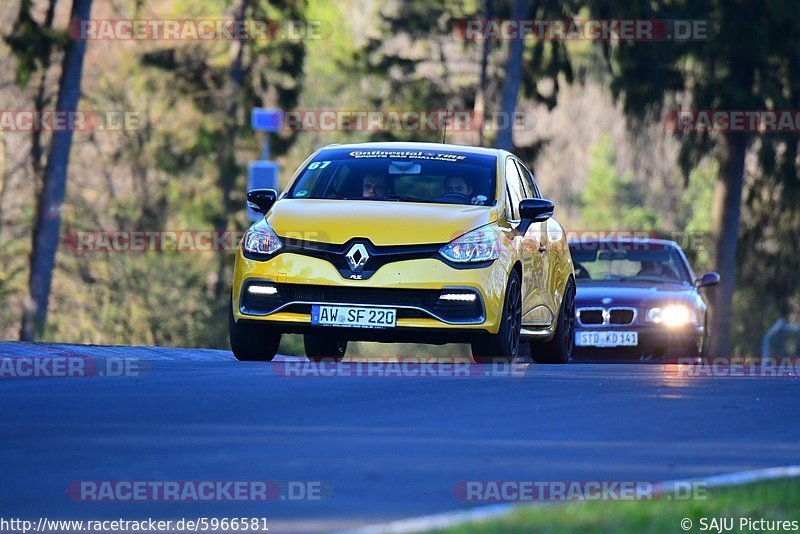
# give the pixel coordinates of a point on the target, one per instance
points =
(587, 338)
(353, 316)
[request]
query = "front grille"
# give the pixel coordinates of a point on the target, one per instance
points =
(621, 316)
(591, 316)
(609, 316)
(425, 299)
(378, 255)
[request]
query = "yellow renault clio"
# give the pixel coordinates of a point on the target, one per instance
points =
(405, 242)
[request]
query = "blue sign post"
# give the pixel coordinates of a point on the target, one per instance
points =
(263, 174)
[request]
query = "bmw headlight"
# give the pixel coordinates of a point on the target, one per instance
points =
(475, 246)
(261, 239)
(672, 316)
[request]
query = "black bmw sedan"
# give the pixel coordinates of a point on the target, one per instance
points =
(637, 298)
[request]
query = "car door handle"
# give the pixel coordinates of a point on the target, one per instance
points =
(542, 248)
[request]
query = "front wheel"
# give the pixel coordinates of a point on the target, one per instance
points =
(504, 345)
(252, 342)
(324, 347)
(559, 349)
(704, 342)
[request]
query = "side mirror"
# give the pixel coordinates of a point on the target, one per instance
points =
(261, 200)
(708, 279)
(536, 209)
(533, 210)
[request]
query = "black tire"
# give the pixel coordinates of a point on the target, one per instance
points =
(503, 347)
(704, 343)
(559, 349)
(252, 342)
(324, 347)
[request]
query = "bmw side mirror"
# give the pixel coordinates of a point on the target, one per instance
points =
(708, 279)
(261, 200)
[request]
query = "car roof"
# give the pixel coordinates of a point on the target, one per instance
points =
(396, 145)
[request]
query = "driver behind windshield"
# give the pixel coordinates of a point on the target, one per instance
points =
(656, 268)
(374, 186)
(650, 268)
(459, 185)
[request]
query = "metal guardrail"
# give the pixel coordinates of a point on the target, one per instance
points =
(782, 339)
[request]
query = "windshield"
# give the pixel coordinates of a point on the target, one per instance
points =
(444, 176)
(628, 262)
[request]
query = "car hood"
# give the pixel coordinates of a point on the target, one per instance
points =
(635, 294)
(382, 222)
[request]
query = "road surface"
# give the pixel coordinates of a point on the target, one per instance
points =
(380, 447)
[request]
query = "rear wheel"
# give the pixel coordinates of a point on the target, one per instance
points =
(324, 347)
(252, 341)
(559, 349)
(503, 346)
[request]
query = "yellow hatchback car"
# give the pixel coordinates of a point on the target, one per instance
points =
(405, 242)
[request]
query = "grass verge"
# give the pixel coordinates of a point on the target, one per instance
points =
(776, 500)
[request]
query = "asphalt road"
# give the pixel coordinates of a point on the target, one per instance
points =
(381, 447)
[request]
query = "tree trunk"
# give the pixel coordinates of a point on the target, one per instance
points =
(48, 212)
(39, 101)
(226, 157)
(725, 221)
(480, 98)
(508, 103)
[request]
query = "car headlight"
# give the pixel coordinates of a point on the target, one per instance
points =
(475, 246)
(673, 315)
(261, 239)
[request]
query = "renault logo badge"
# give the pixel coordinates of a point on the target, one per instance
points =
(357, 257)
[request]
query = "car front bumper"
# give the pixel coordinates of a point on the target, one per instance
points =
(412, 287)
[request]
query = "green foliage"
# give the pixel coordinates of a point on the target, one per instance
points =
(31, 43)
(185, 168)
(696, 219)
(611, 200)
(409, 66)
(749, 62)
(773, 501)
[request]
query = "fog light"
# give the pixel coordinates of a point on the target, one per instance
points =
(460, 297)
(262, 290)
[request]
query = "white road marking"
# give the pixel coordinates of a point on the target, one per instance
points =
(483, 513)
